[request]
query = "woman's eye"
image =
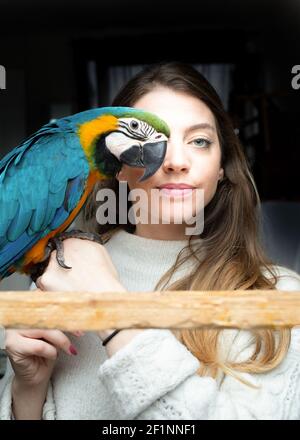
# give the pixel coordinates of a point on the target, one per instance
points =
(134, 125)
(201, 142)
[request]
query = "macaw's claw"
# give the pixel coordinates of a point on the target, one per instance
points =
(56, 243)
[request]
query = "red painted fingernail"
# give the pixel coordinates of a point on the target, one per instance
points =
(73, 350)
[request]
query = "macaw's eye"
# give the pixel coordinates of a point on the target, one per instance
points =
(134, 125)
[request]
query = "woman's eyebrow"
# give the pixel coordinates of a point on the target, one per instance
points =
(202, 125)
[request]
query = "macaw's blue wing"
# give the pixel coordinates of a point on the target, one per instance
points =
(41, 183)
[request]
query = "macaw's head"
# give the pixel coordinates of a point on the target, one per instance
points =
(125, 135)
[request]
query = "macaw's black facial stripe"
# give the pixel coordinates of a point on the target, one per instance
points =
(128, 129)
(131, 135)
(146, 129)
(122, 124)
(125, 126)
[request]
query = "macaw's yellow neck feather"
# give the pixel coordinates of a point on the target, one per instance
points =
(90, 131)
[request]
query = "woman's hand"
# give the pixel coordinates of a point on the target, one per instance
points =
(33, 352)
(92, 269)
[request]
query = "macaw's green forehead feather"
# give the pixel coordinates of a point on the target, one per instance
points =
(150, 118)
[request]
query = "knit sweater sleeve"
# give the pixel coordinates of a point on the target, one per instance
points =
(154, 378)
(6, 412)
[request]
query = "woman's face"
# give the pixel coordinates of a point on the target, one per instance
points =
(193, 158)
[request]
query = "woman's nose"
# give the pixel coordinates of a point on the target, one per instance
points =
(176, 159)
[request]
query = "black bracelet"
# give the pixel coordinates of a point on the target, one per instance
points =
(110, 336)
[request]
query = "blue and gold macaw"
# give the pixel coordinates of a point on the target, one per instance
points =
(45, 181)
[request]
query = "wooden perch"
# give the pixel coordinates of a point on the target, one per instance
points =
(182, 309)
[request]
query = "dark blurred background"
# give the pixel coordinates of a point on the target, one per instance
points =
(62, 57)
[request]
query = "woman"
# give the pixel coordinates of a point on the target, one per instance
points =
(158, 373)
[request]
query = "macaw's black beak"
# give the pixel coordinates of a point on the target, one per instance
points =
(149, 156)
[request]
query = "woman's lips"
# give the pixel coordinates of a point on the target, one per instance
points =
(176, 192)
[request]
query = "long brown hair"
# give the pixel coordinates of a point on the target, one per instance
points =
(234, 258)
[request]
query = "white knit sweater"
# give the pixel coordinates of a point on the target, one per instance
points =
(154, 375)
